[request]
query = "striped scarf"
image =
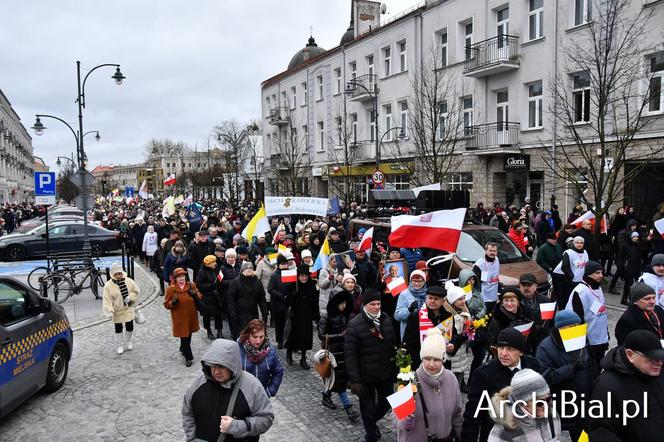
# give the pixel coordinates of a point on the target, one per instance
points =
(122, 286)
(375, 320)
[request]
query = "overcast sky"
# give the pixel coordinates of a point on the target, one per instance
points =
(189, 65)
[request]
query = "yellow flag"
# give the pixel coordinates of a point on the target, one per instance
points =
(257, 225)
(583, 437)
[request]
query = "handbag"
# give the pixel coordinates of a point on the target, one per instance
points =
(200, 306)
(231, 404)
(324, 365)
(139, 316)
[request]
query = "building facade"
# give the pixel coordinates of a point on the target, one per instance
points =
(505, 67)
(16, 160)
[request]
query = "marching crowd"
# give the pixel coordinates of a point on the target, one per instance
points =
(471, 335)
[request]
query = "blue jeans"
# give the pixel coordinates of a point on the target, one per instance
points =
(343, 397)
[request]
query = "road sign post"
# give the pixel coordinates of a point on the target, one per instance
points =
(45, 194)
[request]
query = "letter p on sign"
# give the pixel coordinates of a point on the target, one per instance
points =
(44, 180)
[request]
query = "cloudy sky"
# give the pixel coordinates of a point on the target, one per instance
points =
(189, 65)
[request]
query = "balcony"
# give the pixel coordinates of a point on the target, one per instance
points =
(493, 138)
(278, 163)
(493, 56)
(359, 93)
(280, 116)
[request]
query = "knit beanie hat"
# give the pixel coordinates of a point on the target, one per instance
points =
(370, 295)
(303, 269)
(209, 260)
(434, 345)
(454, 293)
(116, 268)
(419, 273)
(306, 253)
(566, 317)
(640, 290)
(634, 235)
(592, 267)
(347, 276)
(657, 260)
(525, 382)
(281, 259)
(511, 337)
(246, 265)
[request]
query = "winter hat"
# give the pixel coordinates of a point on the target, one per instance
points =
(592, 267)
(436, 290)
(362, 231)
(246, 265)
(454, 293)
(306, 253)
(433, 345)
(370, 295)
(566, 317)
(281, 259)
(241, 250)
(116, 268)
(640, 290)
(179, 272)
(511, 293)
(646, 342)
(419, 273)
(527, 278)
(269, 250)
(511, 337)
(634, 235)
(527, 382)
(657, 260)
(579, 238)
(347, 276)
(303, 269)
(230, 252)
(209, 260)
(237, 237)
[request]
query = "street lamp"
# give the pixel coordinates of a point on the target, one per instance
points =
(350, 90)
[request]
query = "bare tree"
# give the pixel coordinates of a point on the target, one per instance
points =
(435, 129)
(232, 136)
(600, 121)
(343, 152)
(156, 148)
(289, 160)
(66, 190)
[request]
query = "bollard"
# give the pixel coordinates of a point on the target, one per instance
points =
(124, 267)
(43, 288)
(130, 267)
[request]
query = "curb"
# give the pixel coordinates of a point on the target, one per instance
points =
(150, 299)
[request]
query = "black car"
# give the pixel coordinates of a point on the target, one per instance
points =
(64, 236)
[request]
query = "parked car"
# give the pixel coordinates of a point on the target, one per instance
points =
(34, 222)
(474, 236)
(64, 236)
(36, 344)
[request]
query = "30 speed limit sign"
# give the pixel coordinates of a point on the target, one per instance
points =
(378, 177)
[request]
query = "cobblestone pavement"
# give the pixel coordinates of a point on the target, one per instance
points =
(137, 396)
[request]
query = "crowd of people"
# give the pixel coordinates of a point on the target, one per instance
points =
(471, 335)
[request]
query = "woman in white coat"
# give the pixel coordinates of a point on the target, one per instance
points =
(150, 245)
(120, 296)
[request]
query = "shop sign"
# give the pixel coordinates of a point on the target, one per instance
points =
(516, 162)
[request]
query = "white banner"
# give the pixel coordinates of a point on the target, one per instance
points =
(287, 205)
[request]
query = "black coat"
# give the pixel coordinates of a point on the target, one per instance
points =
(331, 329)
(209, 286)
(503, 319)
(244, 298)
(230, 273)
(490, 377)
(541, 328)
(624, 382)
(198, 252)
(635, 319)
(369, 357)
(591, 244)
(279, 291)
(411, 335)
(303, 303)
(630, 260)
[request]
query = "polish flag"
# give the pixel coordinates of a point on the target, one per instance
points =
(366, 242)
(220, 276)
(170, 180)
(525, 328)
(548, 310)
(397, 285)
(402, 402)
(591, 216)
(659, 225)
(313, 273)
(439, 230)
(288, 276)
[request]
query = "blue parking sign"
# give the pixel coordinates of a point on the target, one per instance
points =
(45, 187)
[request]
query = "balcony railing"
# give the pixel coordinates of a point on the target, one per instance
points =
(492, 136)
(492, 56)
(279, 116)
(359, 92)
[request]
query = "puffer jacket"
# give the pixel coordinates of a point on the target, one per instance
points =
(368, 357)
(269, 371)
(244, 298)
(406, 298)
(326, 283)
(518, 239)
(209, 286)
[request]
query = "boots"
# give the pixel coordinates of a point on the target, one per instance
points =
(220, 335)
(327, 401)
(128, 345)
(303, 361)
(119, 343)
(209, 334)
(289, 357)
(462, 384)
(352, 414)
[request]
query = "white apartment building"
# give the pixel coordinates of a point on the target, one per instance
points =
(16, 160)
(502, 57)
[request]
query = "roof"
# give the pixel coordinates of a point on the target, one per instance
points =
(311, 50)
(101, 169)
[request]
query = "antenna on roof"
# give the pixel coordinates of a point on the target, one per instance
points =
(311, 31)
(383, 8)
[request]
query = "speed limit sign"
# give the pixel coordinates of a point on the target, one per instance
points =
(378, 177)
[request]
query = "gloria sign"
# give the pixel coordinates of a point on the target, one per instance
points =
(516, 163)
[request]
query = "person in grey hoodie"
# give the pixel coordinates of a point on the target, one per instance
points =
(206, 402)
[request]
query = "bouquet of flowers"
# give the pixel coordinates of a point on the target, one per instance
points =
(471, 326)
(406, 374)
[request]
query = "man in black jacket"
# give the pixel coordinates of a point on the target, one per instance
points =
(642, 314)
(591, 243)
(632, 372)
(198, 250)
(491, 378)
(368, 350)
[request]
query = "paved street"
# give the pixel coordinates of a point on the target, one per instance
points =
(137, 396)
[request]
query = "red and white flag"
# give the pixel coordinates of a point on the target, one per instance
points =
(525, 328)
(548, 310)
(591, 217)
(402, 402)
(288, 276)
(366, 242)
(586, 216)
(397, 285)
(439, 230)
(220, 276)
(170, 180)
(659, 225)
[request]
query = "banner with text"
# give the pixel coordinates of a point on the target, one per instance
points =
(287, 205)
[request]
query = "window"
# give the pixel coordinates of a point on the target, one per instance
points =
(321, 135)
(14, 305)
(582, 11)
(403, 108)
(293, 93)
(467, 105)
(388, 121)
(442, 120)
(468, 39)
(304, 93)
(655, 101)
(305, 132)
(536, 19)
(443, 48)
(353, 70)
(372, 126)
(319, 82)
(267, 106)
(502, 111)
(340, 131)
(353, 119)
(403, 60)
(461, 181)
(269, 140)
(535, 105)
(337, 84)
(502, 26)
(400, 182)
(293, 134)
(581, 98)
(387, 67)
(284, 99)
(370, 71)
